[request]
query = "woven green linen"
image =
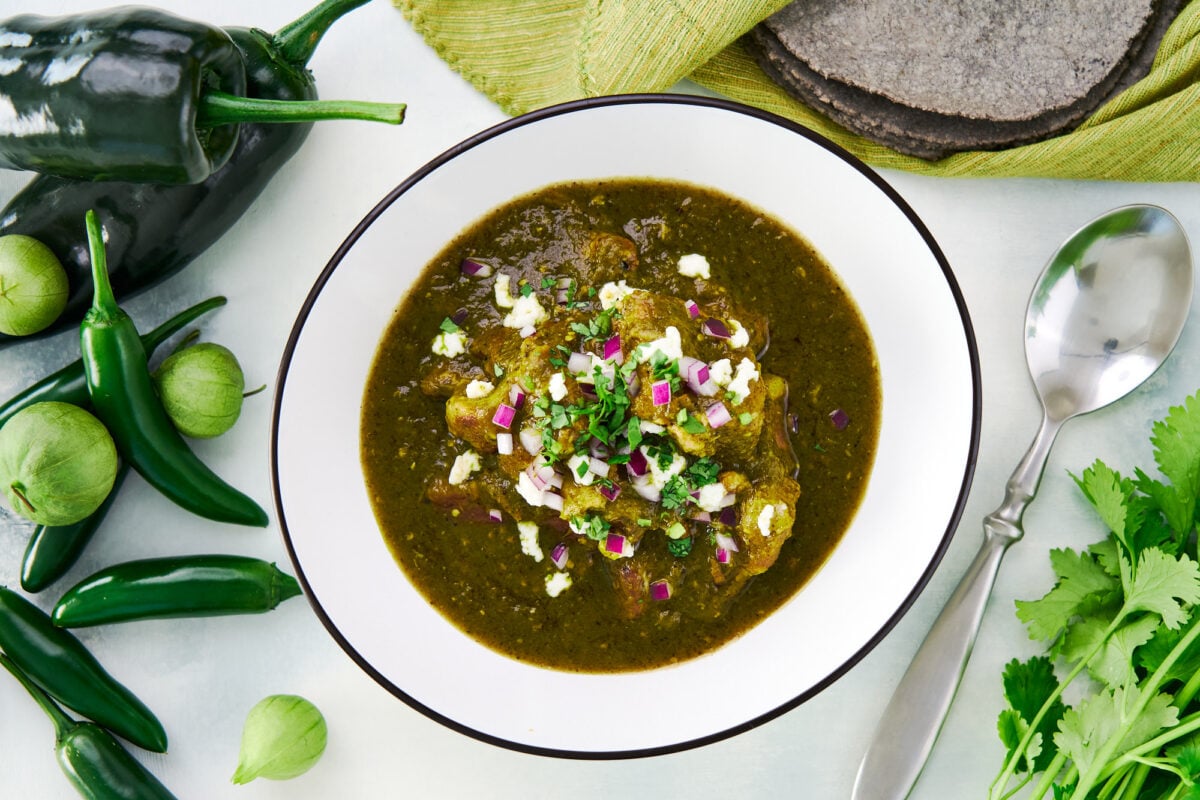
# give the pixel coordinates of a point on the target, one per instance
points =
(528, 54)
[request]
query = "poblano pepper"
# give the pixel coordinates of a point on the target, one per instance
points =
(133, 94)
(155, 230)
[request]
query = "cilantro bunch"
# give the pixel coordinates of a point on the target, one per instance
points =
(1125, 613)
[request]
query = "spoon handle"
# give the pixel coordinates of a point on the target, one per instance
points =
(911, 722)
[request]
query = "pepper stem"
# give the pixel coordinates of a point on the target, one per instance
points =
(218, 108)
(103, 300)
(299, 39)
(62, 723)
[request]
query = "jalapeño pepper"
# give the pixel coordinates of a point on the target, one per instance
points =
(123, 397)
(60, 664)
(137, 94)
(155, 230)
(94, 762)
(184, 586)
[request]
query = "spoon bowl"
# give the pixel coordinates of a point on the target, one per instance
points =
(1107, 309)
(1104, 315)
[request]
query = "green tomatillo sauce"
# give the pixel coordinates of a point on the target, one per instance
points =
(615, 424)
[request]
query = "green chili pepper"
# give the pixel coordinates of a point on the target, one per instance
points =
(185, 586)
(61, 665)
(54, 549)
(69, 384)
(122, 393)
(95, 763)
(138, 95)
(155, 230)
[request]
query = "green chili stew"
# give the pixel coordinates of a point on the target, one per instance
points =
(615, 424)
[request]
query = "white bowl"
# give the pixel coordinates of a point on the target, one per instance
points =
(927, 444)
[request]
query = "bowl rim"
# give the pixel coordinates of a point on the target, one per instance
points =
(570, 107)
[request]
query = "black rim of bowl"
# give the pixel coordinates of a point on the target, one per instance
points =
(569, 108)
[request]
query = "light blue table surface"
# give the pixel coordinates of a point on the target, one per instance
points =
(202, 676)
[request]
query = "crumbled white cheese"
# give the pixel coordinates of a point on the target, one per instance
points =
(738, 335)
(529, 540)
(670, 345)
(501, 288)
(611, 293)
(526, 311)
(529, 493)
(606, 369)
(764, 520)
(646, 426)
(477, 389)
(464, 465)
(557, 583)
(720, 372)
(711, 496)
(581, 464)
(694, 265)
(450, 344)
(557, 387)
(739, 387)
(656, 475)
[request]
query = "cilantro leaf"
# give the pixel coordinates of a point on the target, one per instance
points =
(1114, 664)
(1087, 728)
(1160, 584)
(1109, 493)
(1081, 581)
(1176, 441)
(680, 548)
(1027, 687)
(449, 326)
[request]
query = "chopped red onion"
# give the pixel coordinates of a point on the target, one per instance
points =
(504, 416)
(728, 517)
(695, 373)
(460, 316)
(729, 499)
(555, 481)
(701, 516)
(599, 449)
(660, 393)
(504, 444)
(527, 331)
(589, 390)
(650, 427)
(615, 544)
(580, 364)
(793, 423)
(552, 501)
(536, 477)
(612, 349)
(717, 415)
(516, 396)
(708, 388)
(531, 440)
(839, 418)
(660, 590)
(715, 328)
(598, 467)
(726, 542)
(637, 464)
(610, 491)
(475, 268)
(634, 385)
(722, 555)
(495, 515)
(558, 556)
(692, 309)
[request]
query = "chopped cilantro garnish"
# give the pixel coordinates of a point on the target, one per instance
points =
(582, 469)
(702, 472)
(526, 290)
(449, 326)
(745, 418)
(633, 433)
(498, 370)
(675, 493)
(580, 328)
(680, 548)
(593, 526)
(547, 283)
(645, 523)
(689, 423)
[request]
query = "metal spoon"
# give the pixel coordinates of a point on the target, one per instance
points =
(1105, 313)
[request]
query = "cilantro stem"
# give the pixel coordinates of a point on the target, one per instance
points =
(1147, 692)
(1047, 782)
(1187, 725)
(1010, 765)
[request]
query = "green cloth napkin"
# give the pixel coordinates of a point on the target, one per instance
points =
(528, 54)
